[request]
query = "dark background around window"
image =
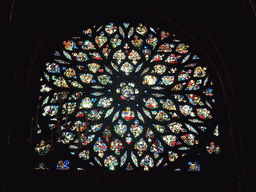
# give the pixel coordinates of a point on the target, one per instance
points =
(37, 26)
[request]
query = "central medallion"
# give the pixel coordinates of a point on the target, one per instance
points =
(127, 91)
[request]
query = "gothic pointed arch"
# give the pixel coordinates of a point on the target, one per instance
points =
(134, 75)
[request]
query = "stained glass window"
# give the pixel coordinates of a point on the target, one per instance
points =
(134, 96)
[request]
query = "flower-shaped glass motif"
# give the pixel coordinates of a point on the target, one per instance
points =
(127, 91)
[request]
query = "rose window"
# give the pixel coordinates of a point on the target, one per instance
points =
(134, 96)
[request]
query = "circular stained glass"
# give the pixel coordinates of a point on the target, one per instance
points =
(134, 96)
